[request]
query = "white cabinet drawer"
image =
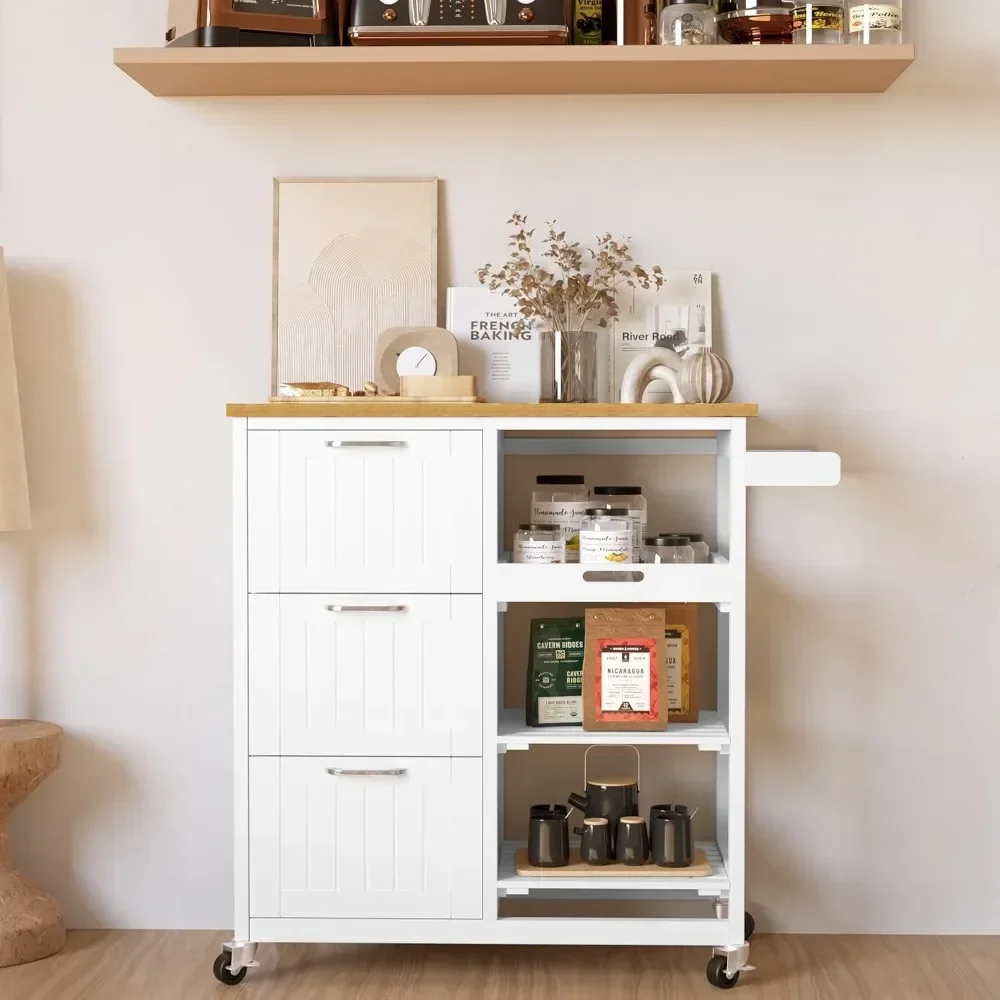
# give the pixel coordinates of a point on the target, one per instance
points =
(365, 511)
(360, 674)
(406, 842)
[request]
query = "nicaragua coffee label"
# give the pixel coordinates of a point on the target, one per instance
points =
(876, 17)
(626, 674)
(286, 8)
(818, 16)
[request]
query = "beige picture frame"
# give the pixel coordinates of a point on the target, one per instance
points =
(351, 257)
(15, 508)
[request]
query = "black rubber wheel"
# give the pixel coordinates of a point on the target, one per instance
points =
(749, 925)
(717, 976)
(224, 974)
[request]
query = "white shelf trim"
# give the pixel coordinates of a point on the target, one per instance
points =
(509, 883)
(708, 733)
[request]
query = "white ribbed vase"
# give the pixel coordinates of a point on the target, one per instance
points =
(705, 377)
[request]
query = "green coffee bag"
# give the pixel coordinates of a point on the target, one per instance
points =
(555, 672)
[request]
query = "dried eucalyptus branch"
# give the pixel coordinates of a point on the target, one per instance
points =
(572, 288)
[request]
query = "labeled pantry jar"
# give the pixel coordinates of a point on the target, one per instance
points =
(563, 501)
(539, 543)
(631, 498)
(755, 22)
(702, 553)
(606, 536)
(663, 549)
(875, 23)
(687, 22)
(818, 23)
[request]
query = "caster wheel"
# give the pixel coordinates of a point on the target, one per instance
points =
(224, 974)
(749, 925)
(717, 975)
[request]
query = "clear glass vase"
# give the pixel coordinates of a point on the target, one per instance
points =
(569, 366)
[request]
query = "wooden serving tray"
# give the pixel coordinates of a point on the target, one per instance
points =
(699, 869)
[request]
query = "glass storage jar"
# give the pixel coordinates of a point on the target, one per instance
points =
(539, 543)
(687, 22)
(561, 500)
(606, 536)
(631, 498)
(818, 23)
(875, 23)
(756, 22)
(662, 549)
(702, 553)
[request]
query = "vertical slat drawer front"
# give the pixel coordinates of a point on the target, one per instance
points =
(360, 511)
(387, 674)
(379, 845)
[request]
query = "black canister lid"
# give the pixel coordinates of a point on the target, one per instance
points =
(667, 540)
(538, 527)
(608, 511)
(618, 491)
(560, 480)
(675, 534)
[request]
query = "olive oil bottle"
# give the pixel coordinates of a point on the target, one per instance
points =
(595, 22)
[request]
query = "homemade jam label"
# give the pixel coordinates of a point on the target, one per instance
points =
(568, 515)
(606, 546)
(876, 17)
(539, 552)
(626, 675)
(818, 16)
(285, 8)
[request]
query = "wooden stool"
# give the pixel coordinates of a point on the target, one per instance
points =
(31, 923)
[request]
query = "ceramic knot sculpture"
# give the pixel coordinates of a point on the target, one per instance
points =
(705, 377)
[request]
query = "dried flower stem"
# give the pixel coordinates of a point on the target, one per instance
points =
(573, 288)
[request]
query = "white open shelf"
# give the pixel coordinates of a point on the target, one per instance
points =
(509, 883)
(708, 733)
(714, 583)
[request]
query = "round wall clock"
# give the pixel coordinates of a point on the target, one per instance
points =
(414, 350)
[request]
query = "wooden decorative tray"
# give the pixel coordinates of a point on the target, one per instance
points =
(576, 868)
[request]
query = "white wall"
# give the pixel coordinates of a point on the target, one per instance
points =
(856, 239)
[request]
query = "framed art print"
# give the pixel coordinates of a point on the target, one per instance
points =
(351, 258)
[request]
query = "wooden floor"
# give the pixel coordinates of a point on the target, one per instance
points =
(157, 965)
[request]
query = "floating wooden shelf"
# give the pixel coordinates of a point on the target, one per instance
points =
(628, 69)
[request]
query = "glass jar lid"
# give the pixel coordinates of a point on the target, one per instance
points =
(774, 8)
(608, 511)
(687, 536)
(618, 491)
(560, 480)
(665, 541)
(756, 6)
(538, 527)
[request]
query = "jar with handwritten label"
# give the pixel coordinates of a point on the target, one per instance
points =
(562, 500)
(606, 536)
(875, 23)
(539, 543)
(631, 498)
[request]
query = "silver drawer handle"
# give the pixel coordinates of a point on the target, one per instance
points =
(366, 607)
(344, 772)
(613, 576)
(366, 444)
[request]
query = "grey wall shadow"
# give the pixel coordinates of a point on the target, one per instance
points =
(47, 831)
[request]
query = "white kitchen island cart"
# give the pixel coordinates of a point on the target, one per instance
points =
(372, 734)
